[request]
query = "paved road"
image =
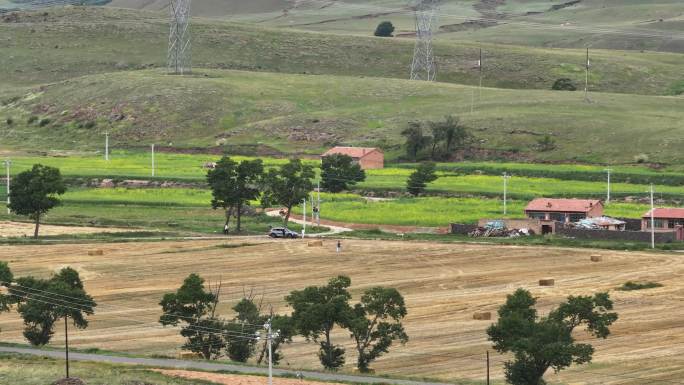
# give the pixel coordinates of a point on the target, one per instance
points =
(208, 366)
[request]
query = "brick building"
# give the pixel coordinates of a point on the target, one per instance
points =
(367, 157)
(665, 219)
(564, 210)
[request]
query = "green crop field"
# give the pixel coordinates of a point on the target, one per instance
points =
(437, 212)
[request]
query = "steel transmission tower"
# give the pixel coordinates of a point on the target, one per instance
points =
(178, 60)
(423, 66)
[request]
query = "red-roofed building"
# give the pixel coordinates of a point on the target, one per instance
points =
(665, 219)
(367, 157)
(564, 210)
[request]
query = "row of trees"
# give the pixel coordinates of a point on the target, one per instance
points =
(234, 185)
(41, 303)
(374, 323)
(444, 138)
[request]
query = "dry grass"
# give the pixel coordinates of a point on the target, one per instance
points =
(444, 285)
(18, 229)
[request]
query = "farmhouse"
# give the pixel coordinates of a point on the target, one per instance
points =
(564, 210)
(664, 219)
(367, 157)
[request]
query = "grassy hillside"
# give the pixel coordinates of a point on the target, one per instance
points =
(76, 41)
(299, 113)
(631, 24)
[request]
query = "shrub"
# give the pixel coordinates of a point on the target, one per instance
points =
(44, 122)
(630, 285)
(641, 158)
(384, 29)
(9, 121)
(564, 84)
(677, 88)
(90, 124)
(546, 143)
(32, 119)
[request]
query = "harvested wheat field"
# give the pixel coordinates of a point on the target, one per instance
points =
(20, 229)
(233, 379)
(444, 286)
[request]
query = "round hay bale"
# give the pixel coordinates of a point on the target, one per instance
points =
(482, 316)
(95, 252)
(69, 381)
(547, 282)
(596, 258)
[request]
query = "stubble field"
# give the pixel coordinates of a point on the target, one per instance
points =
(444, 284)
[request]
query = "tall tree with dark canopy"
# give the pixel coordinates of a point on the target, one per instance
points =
(540, 343)
(418, 180)
(35, 191)
(43, 302)
(415, 140)
(195, 308)
(239, 346)
(234, 185)
(384, 29)
(288, 185)
(316, 311)
(339, 172)
(6, 279)
(375, 324)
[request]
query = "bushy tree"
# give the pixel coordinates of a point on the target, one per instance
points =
(6, 279)
(375, 323)
(316, 311)
(248, 320)
(384, 29)
(34, 192)
(195, 308)
(418, 180)
(540, 343)
(415, 140)
(288, 185)
(546, 143)
(564, 84)
(234, 185)
(43, 302)
(338, 172)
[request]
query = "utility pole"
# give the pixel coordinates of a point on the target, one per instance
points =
(487, 367)
(269, 340)
(107, 146)
(506, 177)
(66, 344)
(318, 214)
(586, 80)
(304, 228)
(472, 101)
(153, 159)
(479, 65)
(8, 163)
(652, 220)
(608, 170)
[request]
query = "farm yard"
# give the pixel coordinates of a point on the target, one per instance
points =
(443, 284)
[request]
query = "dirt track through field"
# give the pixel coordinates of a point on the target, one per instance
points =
(20, 229)
(444, 284)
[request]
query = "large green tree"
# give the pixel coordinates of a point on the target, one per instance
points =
(418, 180)
(375, 324)
(240, 332)
(34, 192)
(6, 279)
(194, 307)
(384, 29)
(540, 343)
(338, 172)
(43, 302)
(316, 311)
(415, 139)
(288, 185)
(234, 185)
(448, 135)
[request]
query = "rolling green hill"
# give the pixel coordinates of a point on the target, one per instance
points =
(303, 113)
(75, 41)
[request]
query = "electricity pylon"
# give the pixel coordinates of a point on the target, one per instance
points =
(423, 66)
(178, 59)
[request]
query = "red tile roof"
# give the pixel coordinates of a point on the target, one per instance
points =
(674, 213)
(562, 205)
(354, 152)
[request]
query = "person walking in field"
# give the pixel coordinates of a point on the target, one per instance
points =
(339, 246)
(225, 229)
